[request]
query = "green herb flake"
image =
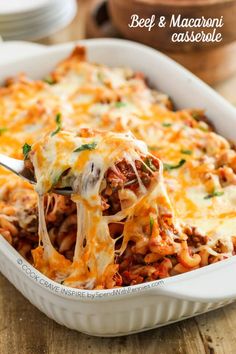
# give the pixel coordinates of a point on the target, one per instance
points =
(3, 130)
(148, 162)
(59, 124)
(151, 223)
(168, 167)
(120, 104)
(214, 194)
(167, 125)
(186, 152)
(49, 80)
(83, 147)
(26, 149)
(56, 178)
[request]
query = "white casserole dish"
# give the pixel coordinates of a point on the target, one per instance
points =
(136, 308)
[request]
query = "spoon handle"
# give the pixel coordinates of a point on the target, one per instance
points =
(11, 164)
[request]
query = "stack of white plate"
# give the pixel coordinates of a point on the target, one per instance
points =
(34, 19)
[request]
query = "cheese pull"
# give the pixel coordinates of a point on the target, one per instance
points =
(116, 185)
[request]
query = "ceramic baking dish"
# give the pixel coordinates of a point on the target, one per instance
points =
(141, 307)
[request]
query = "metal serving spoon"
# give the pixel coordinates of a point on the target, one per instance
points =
(18, 167)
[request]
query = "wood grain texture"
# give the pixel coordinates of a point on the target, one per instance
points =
(25, 330)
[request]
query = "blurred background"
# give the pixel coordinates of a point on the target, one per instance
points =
(59, 21)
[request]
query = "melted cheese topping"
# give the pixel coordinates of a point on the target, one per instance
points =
(201, 189)
(86, 168)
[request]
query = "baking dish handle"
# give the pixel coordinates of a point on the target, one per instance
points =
(213, 283)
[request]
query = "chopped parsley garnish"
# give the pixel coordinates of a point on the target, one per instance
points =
(58, 122)
(186, 152)
(120, 104)
(148, 162)
(151, 222)
(56, 178)
(3, 130)
(83, 147)
(26, 149)
(168, 167)
(49, 80)
(166, 125)
(214, 194)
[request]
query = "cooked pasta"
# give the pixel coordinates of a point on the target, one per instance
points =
(152, 189)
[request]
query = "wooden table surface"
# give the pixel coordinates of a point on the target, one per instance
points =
(25, 330)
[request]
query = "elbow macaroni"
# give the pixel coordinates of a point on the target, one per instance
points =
(165, 201)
